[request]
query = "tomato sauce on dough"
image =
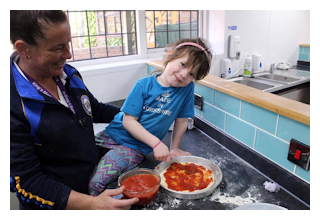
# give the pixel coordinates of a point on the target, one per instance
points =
(178, 180)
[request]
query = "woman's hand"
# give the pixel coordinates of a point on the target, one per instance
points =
(161, 152)
(107, 202)
(177, 152)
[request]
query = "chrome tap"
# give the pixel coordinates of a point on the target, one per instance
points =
(236, 72)
(273, 66)
(223, 74)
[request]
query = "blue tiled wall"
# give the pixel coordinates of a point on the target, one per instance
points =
(304, 54)
(266, 132)
(259, 117)
(227, 103)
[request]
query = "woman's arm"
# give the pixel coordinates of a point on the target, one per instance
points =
(131, 124)
(102, 113)
(27, 178)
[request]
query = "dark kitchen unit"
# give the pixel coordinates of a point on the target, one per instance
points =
(300, 93)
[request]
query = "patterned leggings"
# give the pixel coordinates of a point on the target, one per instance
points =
(115, 162)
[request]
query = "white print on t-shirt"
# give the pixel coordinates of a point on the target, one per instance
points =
(164, 98)
(157, 110)
(160, 105)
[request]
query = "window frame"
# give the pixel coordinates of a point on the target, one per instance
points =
(143, 51)
(167, 32)
(121, 34)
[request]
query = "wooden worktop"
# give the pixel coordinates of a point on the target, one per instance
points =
(289, 108)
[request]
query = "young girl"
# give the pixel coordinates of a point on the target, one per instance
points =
(149, 110)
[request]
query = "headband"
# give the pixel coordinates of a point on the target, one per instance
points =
(196, 45)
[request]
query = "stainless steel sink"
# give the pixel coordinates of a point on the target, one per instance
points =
(254, 84)
(260, 84)
(274, 82)
(278, 78)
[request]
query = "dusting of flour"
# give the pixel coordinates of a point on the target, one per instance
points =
(217, 196)
(167, 203)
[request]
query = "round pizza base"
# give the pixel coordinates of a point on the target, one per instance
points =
(165, 185)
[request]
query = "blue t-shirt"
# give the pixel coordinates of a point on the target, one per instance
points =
(156, 108)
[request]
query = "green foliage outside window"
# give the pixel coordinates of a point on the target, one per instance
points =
(117, 41)
(92, 30)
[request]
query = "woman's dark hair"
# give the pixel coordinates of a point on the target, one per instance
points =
(27, 25)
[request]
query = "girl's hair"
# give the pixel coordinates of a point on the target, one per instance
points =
(27, 25)
(196, 56)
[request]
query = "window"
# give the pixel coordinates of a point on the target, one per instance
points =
(100, 34)
(163, 27)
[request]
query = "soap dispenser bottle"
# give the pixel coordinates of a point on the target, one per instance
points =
(247, 66)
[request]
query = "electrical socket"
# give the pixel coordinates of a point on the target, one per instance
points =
(198, 101)
(299, 153)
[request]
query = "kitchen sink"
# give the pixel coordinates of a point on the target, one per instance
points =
(274, 82)
(260, 84)
(278, 78)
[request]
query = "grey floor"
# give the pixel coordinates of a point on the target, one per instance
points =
(14, 202)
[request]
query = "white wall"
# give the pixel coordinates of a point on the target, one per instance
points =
(288, 29)
(275, 35)
(112, 82)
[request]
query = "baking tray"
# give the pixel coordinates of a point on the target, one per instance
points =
(217, 174)
(260, 206)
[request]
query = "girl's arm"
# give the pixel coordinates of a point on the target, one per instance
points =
(131, 124)
(180, 127)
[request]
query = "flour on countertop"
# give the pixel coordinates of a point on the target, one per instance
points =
(175, 202)
(166, 203)
(217, 196)
(190, 203)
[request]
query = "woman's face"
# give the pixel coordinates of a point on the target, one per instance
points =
(51, 53)
(177, 74)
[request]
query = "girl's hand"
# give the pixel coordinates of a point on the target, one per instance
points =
(177, 152)
(161, 152)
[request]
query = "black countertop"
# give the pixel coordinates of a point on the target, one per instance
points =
(241, 183)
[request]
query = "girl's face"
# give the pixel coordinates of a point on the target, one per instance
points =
(50, 55)
(177, 74)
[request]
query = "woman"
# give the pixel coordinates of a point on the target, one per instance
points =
(52, 146)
